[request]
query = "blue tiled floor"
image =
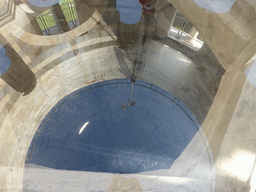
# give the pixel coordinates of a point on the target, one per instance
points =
(144, 137)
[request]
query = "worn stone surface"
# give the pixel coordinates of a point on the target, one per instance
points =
(90, 53)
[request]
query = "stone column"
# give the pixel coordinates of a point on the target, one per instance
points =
(60, 17)
(236, 159)
(129, 34)
(193, 33)
(35, 25)
(18, 76)
(165, 14)
(84, 11)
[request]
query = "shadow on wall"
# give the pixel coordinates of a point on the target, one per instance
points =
(129, 25)
(15, 72)
(136, 22)
(124, 67)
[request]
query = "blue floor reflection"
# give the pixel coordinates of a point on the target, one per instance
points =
(217, 6)
(250, 73)
(130, 11)
(44, 3)
(89, 131)
(5, 61)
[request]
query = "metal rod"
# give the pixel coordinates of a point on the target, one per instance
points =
(130, 98)
(44, 24)
(72, 13)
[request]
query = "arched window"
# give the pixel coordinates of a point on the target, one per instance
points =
(182, 30)
(51, 25)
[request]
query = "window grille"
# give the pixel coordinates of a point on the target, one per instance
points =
(48, 24)
(181, 23)
(69, 11)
